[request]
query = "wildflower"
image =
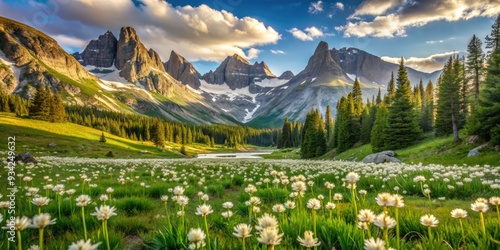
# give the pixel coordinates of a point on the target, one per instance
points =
(196, 235)
(398, 200)
(83, 245)
(34, 247)
(20, 223)
(299, 186)
(242, 230)
(182, 200)
(458, 213)
(329, 185)
(480, 207)
(366, 215)
(227, 214)
(385, 200)
(266, 221)
(290, 204)
(204, 210)
(352, 177)
(103, 197)
(419, 178)
(314, 204)
(270, 237)
(429, 220)
(330, 206)
(308, 241)
(483, 200)
(178, 190)
(83, 200)
(495, 201)
(227, 205)
(41, 221)
(40, 201)
(164, 198)
(104, 212)
(250, 189)
(109, 190)
(374, 244)
(384, 221)
(338, 196)
(279, 208)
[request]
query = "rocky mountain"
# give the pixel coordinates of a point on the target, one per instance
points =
(323, 82)
(287, 75)
(100, 52)
(182, 70)
(238, 73)
(372, 69)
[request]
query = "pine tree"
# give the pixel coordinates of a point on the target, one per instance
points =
(379, 131)
(493, 40)
(391, 90)
(448, 105)
(103, 138)
(328, 125)
(474, 63)
(366, 125)
(158, 134)
(357, 97)
(403, 129)
(57, 111)
(487, 117)
(285, 140)
(378, 101)
(41, 105)
(313, 136)
(348, 129)
(427, 121)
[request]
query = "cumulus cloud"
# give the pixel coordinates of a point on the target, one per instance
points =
(425, 64)
(308, 34)
(439, 41)
(339, 5)
(278, 52)
(413, 14)
(376, 7)
(316, 7)
(252, 53)
(198, 33)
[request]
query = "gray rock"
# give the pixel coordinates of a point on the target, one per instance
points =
(100, 52)
(52, 145)
(287, 75)
(25, 157)
(182, 70)
(475, 151)
(381, 157)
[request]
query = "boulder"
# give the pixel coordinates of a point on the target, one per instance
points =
(475, 151)
(25, 157)
(381, 157)
(52, 145)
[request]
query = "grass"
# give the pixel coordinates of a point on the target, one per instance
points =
(287, 153)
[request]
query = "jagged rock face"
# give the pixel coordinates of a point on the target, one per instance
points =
(372, 69)
(182, 70)
(287, 75)
(100, 52)
(238, 73)
(321, 64)
(132, 57)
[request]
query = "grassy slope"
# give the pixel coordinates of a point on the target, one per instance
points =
(439, 150)
(75, 140)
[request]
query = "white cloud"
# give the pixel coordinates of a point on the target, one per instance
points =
(425, 64)
(339, 5)
(376, 7)
(439, 41)
(308, 34)
(197, 33)
(316, 7)
(252, 53)
(70, 41)
(277, 52)
(414, 14)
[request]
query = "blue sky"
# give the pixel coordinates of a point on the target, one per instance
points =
(282, 33)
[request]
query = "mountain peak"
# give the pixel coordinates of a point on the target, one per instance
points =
(239, 58)
(322, 63)
(182, 70)
(128, 33)
(100, 52)
(321, 48)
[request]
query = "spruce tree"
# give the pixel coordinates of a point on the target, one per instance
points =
(158, 134)
(487, 117)
(448, 104)
(102, 138)
(474, 63)
(41, 104)
(366, 125)
(357, 97)
(427, 121)
(379, 131)
(57, 111)
(328, 125)
(493, 40)
(313, 136)
(285, 140)
(391, 90)
(403, 129)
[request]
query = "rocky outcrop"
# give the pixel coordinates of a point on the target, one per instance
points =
(381, 157)
(475, 151)
(182, 70)
(100, 52)
(321, 65)
(372, 69)
(25, 157)
(287, 75)
(238, 73)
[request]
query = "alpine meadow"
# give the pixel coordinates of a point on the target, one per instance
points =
(147, 124)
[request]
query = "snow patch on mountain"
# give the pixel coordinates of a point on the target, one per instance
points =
(223, 90)
(13, 68)
(249, 114)
(271, 82)
(352, 76)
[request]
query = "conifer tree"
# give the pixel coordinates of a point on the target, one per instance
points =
(366, 125)
(57, 111)
(487, 117)
(328, 125)
(391, 90)
(403, 129)
(474, 63)
(378, 101)
(313, 136)
(285, 140)
(357, 97)
(448, 105)
(41, 104)
(493, 40)
(158, 134)
(379, 135)
(102, 138)
(427, 121)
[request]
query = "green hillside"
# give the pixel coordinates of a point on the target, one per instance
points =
(35, 136)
